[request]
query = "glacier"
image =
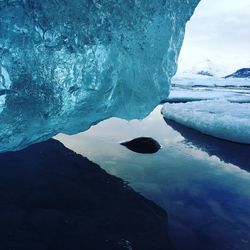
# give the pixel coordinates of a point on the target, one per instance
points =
(66, 65)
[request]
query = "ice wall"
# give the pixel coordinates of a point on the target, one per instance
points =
(65, 65)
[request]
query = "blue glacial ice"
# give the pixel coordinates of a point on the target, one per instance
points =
(66, 65)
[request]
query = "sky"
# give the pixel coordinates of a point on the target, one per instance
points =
(217, 37)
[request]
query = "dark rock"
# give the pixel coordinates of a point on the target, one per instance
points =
(205, 73)
(53, 198)
(144, 145)
(241, 73)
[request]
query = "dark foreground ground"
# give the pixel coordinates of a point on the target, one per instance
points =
(55, 199)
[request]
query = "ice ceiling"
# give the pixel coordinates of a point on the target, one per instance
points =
(66, 65)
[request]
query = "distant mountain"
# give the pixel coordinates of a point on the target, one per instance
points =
(204, 67)
(241, 73)
(205, 73)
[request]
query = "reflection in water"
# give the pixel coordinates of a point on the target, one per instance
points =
(230, 152)
(207, 199)
(54, 199)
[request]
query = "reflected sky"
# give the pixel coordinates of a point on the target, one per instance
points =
(207, 200)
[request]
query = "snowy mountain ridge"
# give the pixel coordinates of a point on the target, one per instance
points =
(241, 73)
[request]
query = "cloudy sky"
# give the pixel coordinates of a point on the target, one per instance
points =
(217, 36)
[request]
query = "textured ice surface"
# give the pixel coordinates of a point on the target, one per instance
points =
(66, 65)
(219, 118)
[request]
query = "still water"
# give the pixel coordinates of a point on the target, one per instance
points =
(202, 182)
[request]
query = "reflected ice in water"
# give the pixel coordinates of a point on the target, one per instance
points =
(205, 192)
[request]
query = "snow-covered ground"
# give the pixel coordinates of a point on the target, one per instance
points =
(196, 80)
(214, 106)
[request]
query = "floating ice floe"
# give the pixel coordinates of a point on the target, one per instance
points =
(218, 118)
(198, 80)
(194, 87)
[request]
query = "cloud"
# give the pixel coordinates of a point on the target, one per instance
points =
(219, 31)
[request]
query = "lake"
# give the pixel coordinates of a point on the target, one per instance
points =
(202, 182)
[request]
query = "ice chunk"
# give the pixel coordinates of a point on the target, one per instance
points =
(218, 118)
(73, 63)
